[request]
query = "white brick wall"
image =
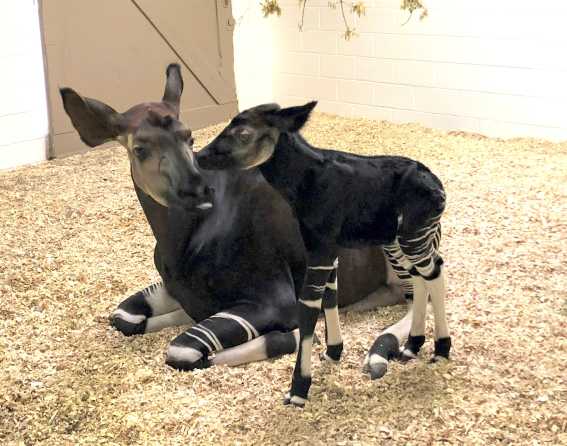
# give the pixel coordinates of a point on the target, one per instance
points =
(493, 67)
(23, 108)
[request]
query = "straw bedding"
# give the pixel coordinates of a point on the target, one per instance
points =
(74, 243)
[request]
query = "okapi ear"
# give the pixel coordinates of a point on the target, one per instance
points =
(291, 119)
(173, 87)
(95, 121)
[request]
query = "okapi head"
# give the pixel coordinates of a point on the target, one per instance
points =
(159, 146)
(251, 137)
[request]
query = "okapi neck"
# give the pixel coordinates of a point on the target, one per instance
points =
(293, 162)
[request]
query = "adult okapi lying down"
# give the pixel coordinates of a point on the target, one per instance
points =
(228, 248)
(345, 200)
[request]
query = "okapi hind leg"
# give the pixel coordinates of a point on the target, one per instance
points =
(387, 345)
(414, 288)
(438, 293)
(421, 249)
(148, 310)
(333, 337)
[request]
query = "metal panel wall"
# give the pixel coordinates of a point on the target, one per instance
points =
(117, 51)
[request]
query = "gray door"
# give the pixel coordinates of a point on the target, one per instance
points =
(117, 51)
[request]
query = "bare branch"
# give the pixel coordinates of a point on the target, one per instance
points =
(349, 32)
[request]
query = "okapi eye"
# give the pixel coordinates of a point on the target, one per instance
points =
(184, 135)
(140, 152)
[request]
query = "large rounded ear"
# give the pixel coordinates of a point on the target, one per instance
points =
(173, 87)
(95, 121)
(291, 119)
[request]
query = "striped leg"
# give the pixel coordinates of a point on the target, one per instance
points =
(416, 337)
(149, 310)
(309, 307)
(387, 345)
(437, 291)
(412, 281)
(225, 331)
(422, 251)
(333, 337)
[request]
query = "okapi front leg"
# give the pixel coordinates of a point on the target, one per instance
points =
(309, 308)
(333, 336)
(239, 325)
(270, 345)
(149, 310)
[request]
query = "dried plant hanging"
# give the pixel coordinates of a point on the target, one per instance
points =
(413, 5)
(270, 7)
(357, 8)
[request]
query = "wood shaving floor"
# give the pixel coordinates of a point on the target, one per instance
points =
(74, 242)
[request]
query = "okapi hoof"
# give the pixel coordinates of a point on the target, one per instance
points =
(376, 366)
(326, 358)
(442, 349)
(295, 400)
(297, 396)
(412, 347)
(406, 355)
(377, 371)
(185, 358)
(128, 324)
(333, 354)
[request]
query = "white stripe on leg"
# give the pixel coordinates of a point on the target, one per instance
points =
(179, 353)
(159, 299)
(333, 326)
(437, 291)
(419, 307)
(401, 328)
(128, 317)
(174, 318)
(210, 336)
(254, 350)
(247, 326)
(306, 348)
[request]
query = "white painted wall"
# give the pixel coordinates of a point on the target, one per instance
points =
(253, 54)
(23, 107)
(492, 67)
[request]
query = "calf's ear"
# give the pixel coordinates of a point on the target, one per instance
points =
(95, 121)
(291, 119)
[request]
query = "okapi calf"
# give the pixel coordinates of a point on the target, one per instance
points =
(345, 200)
(228, 249)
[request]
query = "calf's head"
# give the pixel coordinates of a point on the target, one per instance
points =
(159, 146)
(251, 137)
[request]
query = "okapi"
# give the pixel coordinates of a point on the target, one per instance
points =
(228, 249)
(345, 200)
